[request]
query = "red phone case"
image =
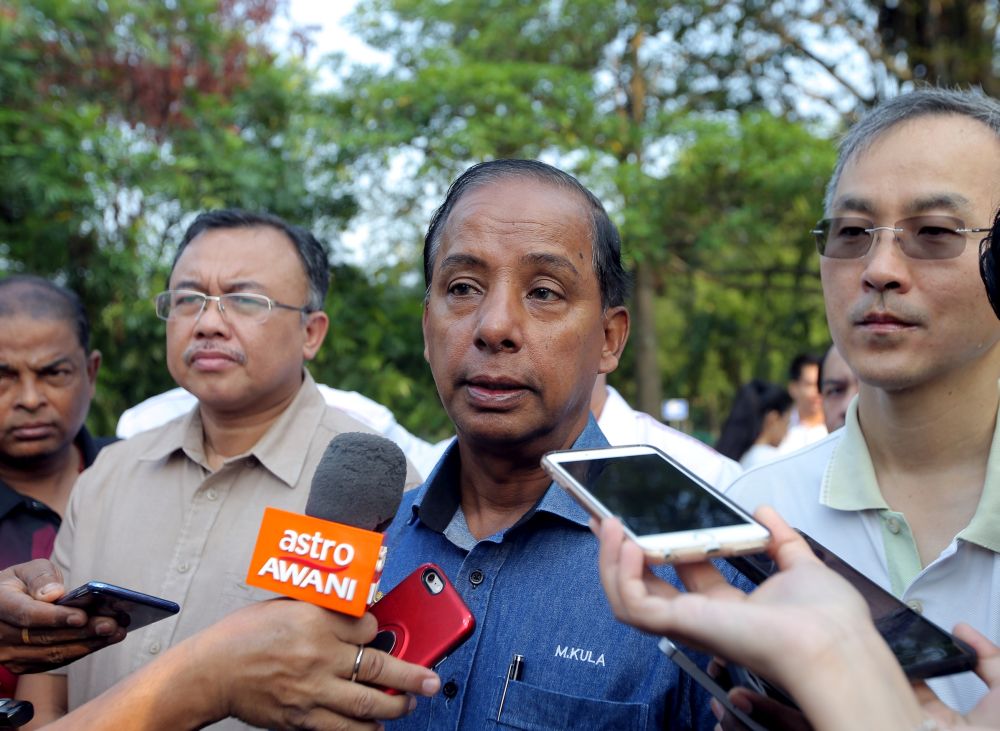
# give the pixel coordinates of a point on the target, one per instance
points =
(420, 626)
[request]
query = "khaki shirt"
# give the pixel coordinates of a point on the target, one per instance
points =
(151, 516)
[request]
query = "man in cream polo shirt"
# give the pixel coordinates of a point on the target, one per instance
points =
(909, 490)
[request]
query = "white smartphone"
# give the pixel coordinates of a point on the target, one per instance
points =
(673, 515)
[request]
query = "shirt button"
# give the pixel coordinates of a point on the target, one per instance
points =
(154, 648)
(211, 494)
(183, 568)
(893, 525)
(476, 577)
(916, 605)
(450, 690)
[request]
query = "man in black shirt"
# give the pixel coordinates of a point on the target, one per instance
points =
(47, 379)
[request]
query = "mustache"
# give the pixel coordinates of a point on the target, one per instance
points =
(877, 304)
(231, 353)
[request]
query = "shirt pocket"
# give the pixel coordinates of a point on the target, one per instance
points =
(235, 593)
(536, 709)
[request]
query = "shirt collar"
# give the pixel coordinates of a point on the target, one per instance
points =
(615, 408)
(983, 528)
(88, 446)
(280, 450)
(438, 498)
(9, 498)
(849, 483)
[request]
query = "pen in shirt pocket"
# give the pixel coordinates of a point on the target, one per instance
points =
(514, 672)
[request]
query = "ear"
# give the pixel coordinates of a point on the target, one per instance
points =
(93, 365)
(616, 327)
(316, 325)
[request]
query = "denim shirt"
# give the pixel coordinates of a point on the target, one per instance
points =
(534, 590)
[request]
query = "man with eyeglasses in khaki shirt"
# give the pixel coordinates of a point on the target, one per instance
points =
(174, 512)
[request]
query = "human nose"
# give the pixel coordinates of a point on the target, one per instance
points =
(29, 395)
(498, 325)
(886, 266)
(211, 320)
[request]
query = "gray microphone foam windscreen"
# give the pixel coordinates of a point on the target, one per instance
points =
(359, 481)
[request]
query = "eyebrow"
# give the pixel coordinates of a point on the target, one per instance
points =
(857, 205)
(953, 202)
(238, 286)
(455, 261)
(551, 260)
(536, 259)
(62, 360)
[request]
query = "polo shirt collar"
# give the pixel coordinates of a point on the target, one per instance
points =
(438, 499)
(984, 528)
(849, 483)
(280, 450)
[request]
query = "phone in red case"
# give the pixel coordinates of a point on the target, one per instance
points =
(423, 619)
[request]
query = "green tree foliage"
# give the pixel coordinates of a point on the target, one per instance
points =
(603, 89)
(743, 290)
(804, 56)
(120, 119)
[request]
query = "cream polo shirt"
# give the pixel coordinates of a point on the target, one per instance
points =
(150, 515)
(829, 491)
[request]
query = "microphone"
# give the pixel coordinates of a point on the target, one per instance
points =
(333, 555)
(358, 481)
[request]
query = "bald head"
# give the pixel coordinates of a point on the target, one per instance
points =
(40, 299)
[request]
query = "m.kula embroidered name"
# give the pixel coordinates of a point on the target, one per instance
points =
(580, 655)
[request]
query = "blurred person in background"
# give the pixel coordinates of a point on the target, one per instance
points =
(838, 385)
(623, 426)
(807, 424)
(756, 424)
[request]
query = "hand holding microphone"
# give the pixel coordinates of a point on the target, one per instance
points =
(284, 664)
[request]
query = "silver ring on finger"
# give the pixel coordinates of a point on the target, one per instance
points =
(357, 663)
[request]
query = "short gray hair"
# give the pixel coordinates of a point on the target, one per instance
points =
(924, 102)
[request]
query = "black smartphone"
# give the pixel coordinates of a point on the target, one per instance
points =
(923, 649)
(131, 609)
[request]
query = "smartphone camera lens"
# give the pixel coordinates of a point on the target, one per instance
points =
(433, 582)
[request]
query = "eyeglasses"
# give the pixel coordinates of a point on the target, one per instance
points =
(177, 304)
(919, 237)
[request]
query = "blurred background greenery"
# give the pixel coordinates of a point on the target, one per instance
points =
(708, 127)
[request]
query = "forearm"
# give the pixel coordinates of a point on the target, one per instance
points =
(168, 694)
(857, 684)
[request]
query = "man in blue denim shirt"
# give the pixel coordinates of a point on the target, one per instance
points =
(524, 308)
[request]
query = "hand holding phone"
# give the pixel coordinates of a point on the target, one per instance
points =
(422, 619)
(130, 609)
(672, 514)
